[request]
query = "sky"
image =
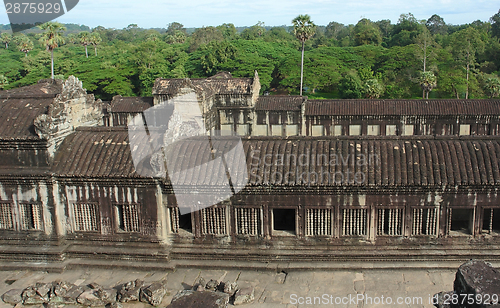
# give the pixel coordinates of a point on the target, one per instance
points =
(198, 13)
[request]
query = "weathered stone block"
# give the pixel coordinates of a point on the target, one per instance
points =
(204, 299)
(65, 293)
(244, 296)
(229, 288)
(13, 296)
(89, 298)
(280, 278)
(31, 296)
(153, 294)
(477, 278)
(212, 285)
(130, 291)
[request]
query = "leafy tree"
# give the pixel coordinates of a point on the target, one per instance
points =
(215, 55)
(6, 38)
(405, 31)
(450, 75)
(333, 30)
(350, 86)
(304, 29)
(495, 24)
(254, 32)
(204, 35)
(436, 25)
(3, 82)
(52, 38)
(95, 39)
(385, 27)
(279, 35)
(228, 31)
(173, 27)
(367, 33)
(85, 40)
(428, 81)
(492, 86)
(465, 45)
(425, 43)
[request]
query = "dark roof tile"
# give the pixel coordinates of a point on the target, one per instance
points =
(130, 104)
(279, 103)
(389, 107)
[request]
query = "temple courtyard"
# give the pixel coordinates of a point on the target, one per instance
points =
(365, 287)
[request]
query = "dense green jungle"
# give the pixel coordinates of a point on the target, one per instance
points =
(371, 59)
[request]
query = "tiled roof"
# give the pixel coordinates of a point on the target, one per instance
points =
(130, 104)
(403, 107)
(95, 152)
(45, 88)
(19, 108)
(396, 162)
(210, 85)
(279, 103)
(105, 152)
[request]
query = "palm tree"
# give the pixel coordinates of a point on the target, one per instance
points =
(25, 45)
(372, 88)
(3, 82)
(492, 86)
(304, 29)
(428, 82)
(6, 38)
(52, 38)
(95, 39)
(85, 40)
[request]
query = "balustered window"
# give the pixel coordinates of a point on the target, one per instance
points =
(491, 221)
(180, 222)
(248, 221)
(213, 221)
(86, 217)
(425, 221)
(127, 217)
(174, 219)
(6, 222)
(390, 222)
(318, 222)
(354, 222)
(31, 216)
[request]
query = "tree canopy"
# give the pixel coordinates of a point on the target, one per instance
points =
(367, 59)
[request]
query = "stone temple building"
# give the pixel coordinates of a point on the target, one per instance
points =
(325, 180)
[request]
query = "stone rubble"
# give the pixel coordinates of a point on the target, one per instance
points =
(130, 291)
(216, 294)
(244, 296)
